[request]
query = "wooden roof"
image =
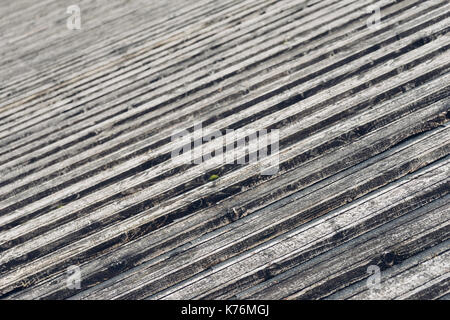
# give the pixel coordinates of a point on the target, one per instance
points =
(86, 118)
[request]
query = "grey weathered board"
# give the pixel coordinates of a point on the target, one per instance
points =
(86, 118)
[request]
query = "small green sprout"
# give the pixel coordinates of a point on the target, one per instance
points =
(213, 177)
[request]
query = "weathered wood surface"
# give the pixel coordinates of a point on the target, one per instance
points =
(86, 118)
